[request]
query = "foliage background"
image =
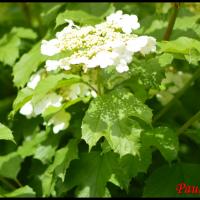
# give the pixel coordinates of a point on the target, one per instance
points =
(33, 164)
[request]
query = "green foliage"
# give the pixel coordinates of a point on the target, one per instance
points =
(50, 83)
(94, 171)
(58, 168)
(10, 165)
(25, 191)
(130, 134)
(77, 16)
(164, 139)
(173, 175)
(10, 44)
(6, 133)
(27, 64)
(106, 117)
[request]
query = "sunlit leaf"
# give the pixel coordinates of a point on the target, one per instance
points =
(5, 133)
(25, 191)
(27, 64)
(105, 118)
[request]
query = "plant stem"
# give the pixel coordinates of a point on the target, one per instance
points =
(177, 96)
(18, 183)
(26, 9)
(189, 122)
(39, 20)
(99, 81)
(9, 185)
(171, 21)
(89, 85)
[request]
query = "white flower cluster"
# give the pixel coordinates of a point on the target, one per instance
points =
(110, 43)
(51, 99)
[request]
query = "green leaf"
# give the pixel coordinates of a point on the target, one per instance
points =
(182, 45)
(78, 16)
(46, 149)
(10, 165)
(50, 83)
(187, 23)
(148, 72)
(106, 116)
(172, 176)
(124, 137)
(24, 33)
(23, 96)
(9, 49)
(31, 143)
(25, 191)
(100, 10)
(27, 64)
(58, 168)
(10, 44)
(164, 139)
(48, 17)
(129, 166)
(3, 192)
(6, 133)
(91, 173)
(165, 59)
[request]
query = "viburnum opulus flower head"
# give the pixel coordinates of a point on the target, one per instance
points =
(111, 43)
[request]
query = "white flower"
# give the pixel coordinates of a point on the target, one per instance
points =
(51, 99)
(122, 66)
(114, 17)
(52, 65)
(27, 109)
(144, 44)
(58, 127)
(60, 121)
(129, 23)
(74, 91)
(150, 46)
(93, 93)
(126, 22)
(136, 44)
(78, 60)
(50, 47)
(34, 80)
(103, 59)
(64, 64)
(102, 45)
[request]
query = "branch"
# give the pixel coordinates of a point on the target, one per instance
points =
(27, 12)
(9, 185)
(171, 21)
(189, 122)
(177, 96)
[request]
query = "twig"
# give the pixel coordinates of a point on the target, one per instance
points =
(171, 21)
(18, 183)
(177, 96)
(9, 185)
(89, 85)
(26, 9)
(189, 122)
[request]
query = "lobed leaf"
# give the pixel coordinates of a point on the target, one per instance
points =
(107, 115)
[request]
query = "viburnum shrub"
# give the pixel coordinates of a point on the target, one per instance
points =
(99, 109)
